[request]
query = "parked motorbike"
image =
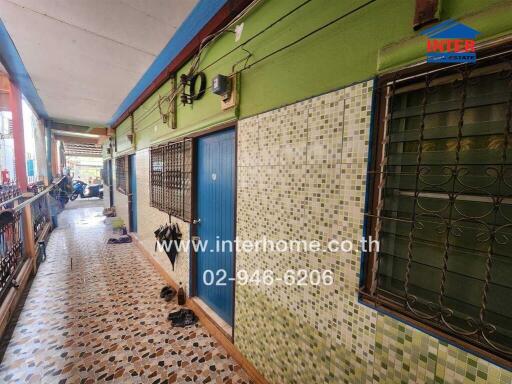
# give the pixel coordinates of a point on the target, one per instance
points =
(85, 190)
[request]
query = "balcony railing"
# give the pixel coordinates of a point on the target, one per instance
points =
(20, 237)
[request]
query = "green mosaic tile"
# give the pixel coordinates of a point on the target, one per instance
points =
(302, 168)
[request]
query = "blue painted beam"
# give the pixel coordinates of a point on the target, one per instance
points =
(12, 62)
(196, 20)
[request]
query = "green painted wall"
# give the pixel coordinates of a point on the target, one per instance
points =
(378, 37)
(351, 50)
(122, 132)
(148, 125)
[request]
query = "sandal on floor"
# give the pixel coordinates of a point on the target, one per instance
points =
(169, 295)
(176, 315)
(164, 291)
(188, 318)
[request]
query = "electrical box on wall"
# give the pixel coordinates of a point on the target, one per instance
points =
(221, 85)
(229, 99)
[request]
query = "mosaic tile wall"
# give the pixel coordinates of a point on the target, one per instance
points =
(120, 202)
(301, 175)
(149, 219)
(106, 196)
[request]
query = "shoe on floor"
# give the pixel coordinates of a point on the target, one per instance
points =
(169, 295)
(164, 291)
(188, 318)
(176, 315)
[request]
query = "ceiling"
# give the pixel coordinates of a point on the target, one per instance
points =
(84, 56)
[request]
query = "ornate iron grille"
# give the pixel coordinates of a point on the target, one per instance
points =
(11, 253)
(40, 216)
(442, 204)
(9, 192)
(122, 174)
(170, 178)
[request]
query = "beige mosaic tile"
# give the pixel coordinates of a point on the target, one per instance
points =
(149, 219)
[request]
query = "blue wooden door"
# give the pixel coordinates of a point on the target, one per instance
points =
(132, 196)
(216, 212)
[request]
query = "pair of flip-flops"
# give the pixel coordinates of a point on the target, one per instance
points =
(167, 293)
(182, 318)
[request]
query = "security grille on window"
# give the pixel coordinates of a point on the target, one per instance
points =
(442, 204)
(171, 176)
(122, 174)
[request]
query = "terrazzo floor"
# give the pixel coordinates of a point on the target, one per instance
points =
(94, 314)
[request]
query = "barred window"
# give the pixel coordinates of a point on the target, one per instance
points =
(442, 204)
(122, 174)
(171, 178)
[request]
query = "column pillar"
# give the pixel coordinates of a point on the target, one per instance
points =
(18, 136)
(49, 150)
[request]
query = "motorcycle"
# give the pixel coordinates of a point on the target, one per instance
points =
(85, 190)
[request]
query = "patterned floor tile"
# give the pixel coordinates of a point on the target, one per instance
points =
(93, 314)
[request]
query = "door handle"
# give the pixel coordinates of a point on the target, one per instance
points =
(196, 221)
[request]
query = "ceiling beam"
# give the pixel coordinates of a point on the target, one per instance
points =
(74, 128)
(77, 140)
(81, 154)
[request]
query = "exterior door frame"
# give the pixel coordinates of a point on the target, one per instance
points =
(132, 192)
(193, 227)
(110, 178)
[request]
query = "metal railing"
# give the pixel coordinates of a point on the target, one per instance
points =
(11, 252)
(8, 194)
(29, 224)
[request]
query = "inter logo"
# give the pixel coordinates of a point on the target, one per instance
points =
(450, 42)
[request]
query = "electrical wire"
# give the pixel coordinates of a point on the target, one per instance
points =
(308, 35)
(270, 26)
(214, 36)
(203, 45)
(211, 38)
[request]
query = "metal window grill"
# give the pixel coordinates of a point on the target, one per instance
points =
(11, 253)
(442, 204)
(170, 178)
(122, 174)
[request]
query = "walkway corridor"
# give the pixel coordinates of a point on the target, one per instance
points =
(94, 314)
